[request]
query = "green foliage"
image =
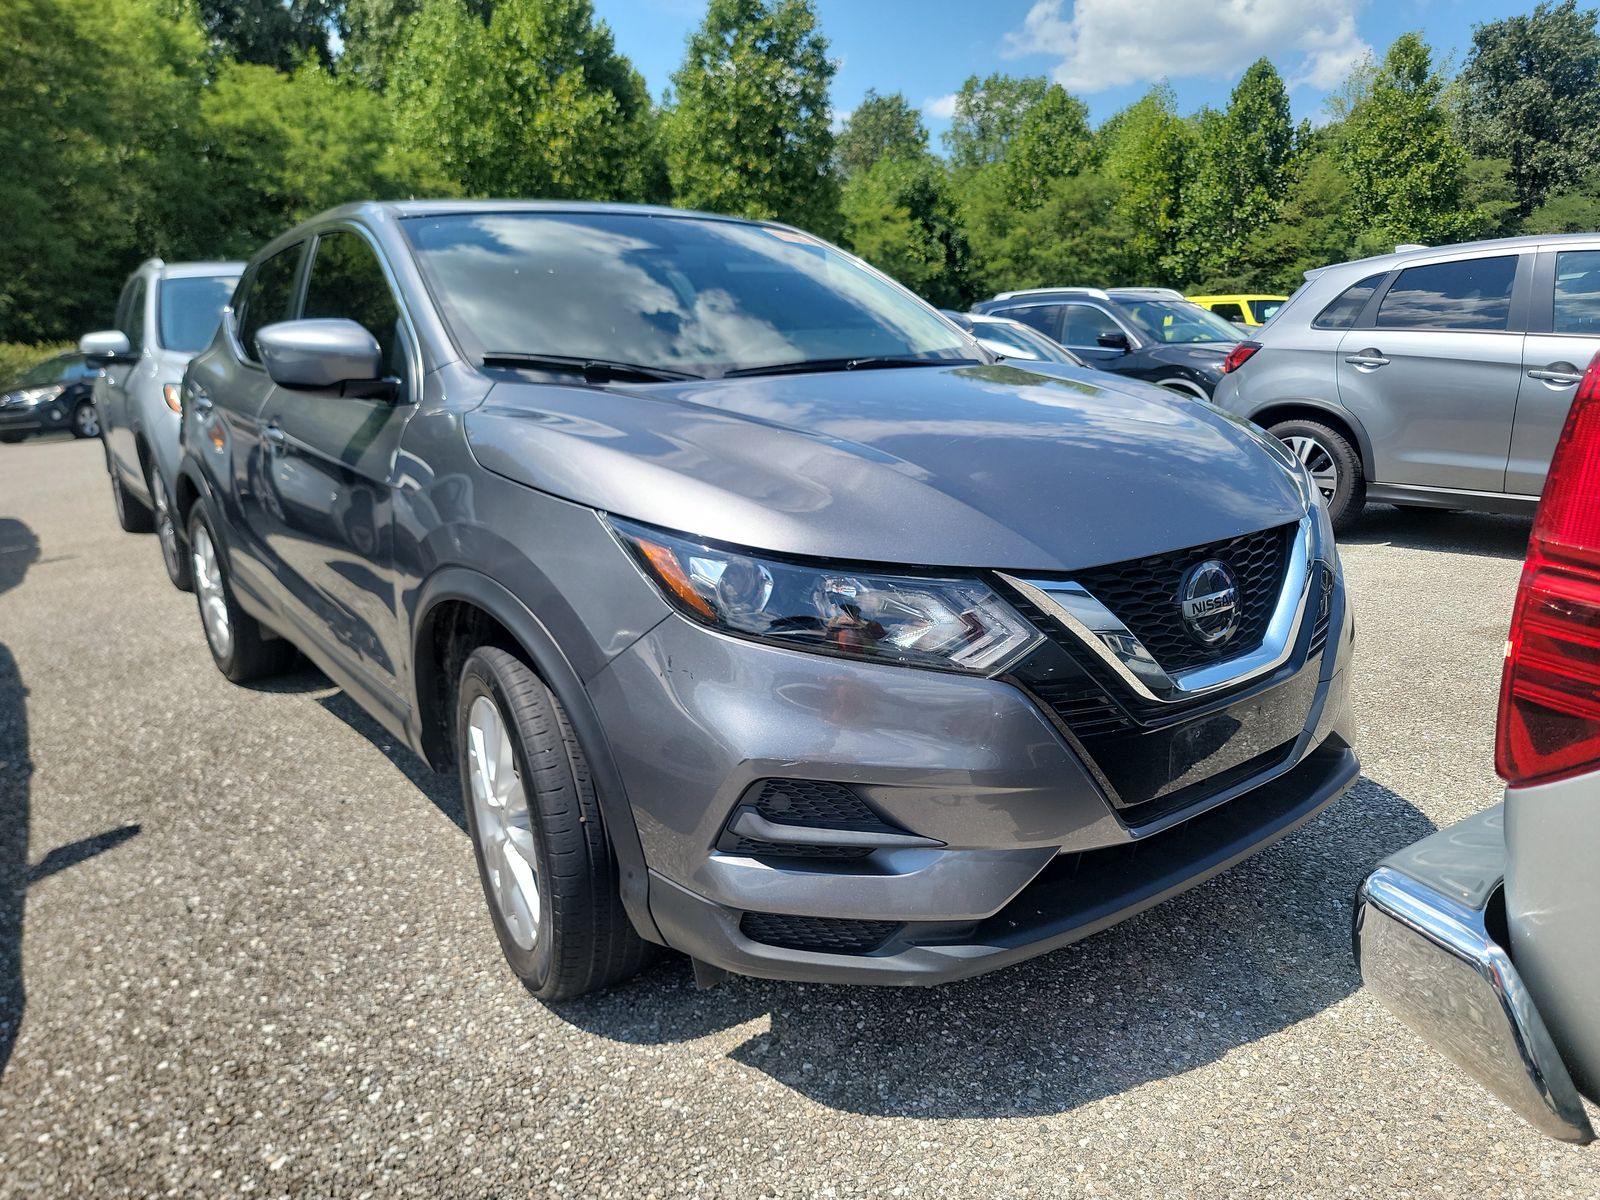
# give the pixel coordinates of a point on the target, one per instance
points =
(1312, 230)
(1076, 235)
(880, 127)
(749, 130)
(989, 113)
(535, 103)
(1577, 211)
(1145, 149)
(17, 357)
(1531, 96)
(1407, 170)
(900, 214)
(1051, 142)
(275, 33)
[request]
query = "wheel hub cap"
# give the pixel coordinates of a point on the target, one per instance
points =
(505, 828)
(208, 587)
(1319, 461)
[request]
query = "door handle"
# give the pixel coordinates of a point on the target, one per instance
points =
(1371, 359)
(201, 404)
(274, 435)
(1559, 374)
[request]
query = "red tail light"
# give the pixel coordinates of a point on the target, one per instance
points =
(1238, 356)
(1549, 726)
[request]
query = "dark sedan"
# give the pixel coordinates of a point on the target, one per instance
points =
(54, 394)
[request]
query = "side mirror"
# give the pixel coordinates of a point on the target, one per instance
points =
(321, 353)
(1114, 341)
(105, 346)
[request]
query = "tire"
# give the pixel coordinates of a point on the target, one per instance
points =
(244, 651)
(548, 872)
(1184, 388)
(11, 439)
(131, 515)
(85, 420)
(174, 553)
(1323, 449)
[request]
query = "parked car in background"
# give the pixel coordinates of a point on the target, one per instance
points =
(1483, 938)
(1013, 339)
(762, 614)
(1431, 378)
(167, 313)
(1249, 311)
(1149, 333)
(54, 394)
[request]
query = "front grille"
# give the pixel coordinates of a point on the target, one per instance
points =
(830, 935)
(1143, 595)
(1324, 592)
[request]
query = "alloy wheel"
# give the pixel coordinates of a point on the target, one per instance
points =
(208, 586)
(505, 826)
(1319, 461)
(166, 530)
(86, 421)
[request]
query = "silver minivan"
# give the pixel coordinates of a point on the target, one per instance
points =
(1431, 378)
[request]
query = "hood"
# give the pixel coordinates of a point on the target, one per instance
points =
(979, 466)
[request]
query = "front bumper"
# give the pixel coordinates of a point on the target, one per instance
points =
(1428, 941)
(34, 418)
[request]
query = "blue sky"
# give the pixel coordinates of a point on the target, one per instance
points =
(1106, 51)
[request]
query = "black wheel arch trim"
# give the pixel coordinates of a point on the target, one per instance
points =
(552, 666)
(1340, 416)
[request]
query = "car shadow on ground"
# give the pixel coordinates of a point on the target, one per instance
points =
(1484, 534)
(19, 550)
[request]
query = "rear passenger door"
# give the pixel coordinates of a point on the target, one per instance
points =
(1433, 369)
(1563, 335)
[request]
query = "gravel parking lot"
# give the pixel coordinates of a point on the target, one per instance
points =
(242, 950)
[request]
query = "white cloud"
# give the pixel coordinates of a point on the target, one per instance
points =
(1106, 43)
(940, 108)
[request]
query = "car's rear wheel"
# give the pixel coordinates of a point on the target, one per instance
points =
(131, 515)
(240, 647)
(544, 859)
(85, 420)
(173, 554)
(1334, 465)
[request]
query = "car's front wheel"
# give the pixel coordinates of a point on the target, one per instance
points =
(1334, 465)
(85, 420)
(544, 859)
(173, 555)
(240, 647)
(11, 439)
(132, 516)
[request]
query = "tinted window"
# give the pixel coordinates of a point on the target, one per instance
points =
(1472, 294)
(1228, 312)
(268, 296)
(1084, 325)
(187, 311)
(1347, 306)
(676, 293)
(1046, 318)
(1265, 310)
(1578, 292)
(347, 281)
(133, 318)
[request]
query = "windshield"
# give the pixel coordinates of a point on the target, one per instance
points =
(51, 370)
(188, 310)
(1178, 321)
(1018, 341)
(682, 294)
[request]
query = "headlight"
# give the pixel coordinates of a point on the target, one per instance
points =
(41, 395)
(950, 623)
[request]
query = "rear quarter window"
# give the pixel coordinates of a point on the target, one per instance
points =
(1342, 311)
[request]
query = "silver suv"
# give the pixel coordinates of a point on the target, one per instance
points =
(1428, 378)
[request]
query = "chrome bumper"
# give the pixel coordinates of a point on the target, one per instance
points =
(1423, 944)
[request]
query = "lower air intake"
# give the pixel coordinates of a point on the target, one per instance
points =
(828, 935)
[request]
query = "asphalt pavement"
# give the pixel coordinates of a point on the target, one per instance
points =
(243, 952)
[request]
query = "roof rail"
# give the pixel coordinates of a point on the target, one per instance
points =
(1151, 293)
(1408, 247)
(1097, 293)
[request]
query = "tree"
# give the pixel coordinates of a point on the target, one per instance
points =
(1075, 236)
(1052, 141)
(748, 130)
(1237, 173)
(1573, 211)
(901, 216)
(880, 127)
(536, 103)
(1531, 95)
(1407, 171)
(1312, 230)
(1145, 149)
(988, 115)
(275, 33)
(373, 31)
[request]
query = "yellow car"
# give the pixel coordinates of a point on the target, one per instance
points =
(1249, 311)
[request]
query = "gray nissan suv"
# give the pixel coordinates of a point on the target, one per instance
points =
(763, 614)
(1431, 378)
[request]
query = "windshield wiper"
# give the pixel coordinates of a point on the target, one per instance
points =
(879, 362)
(593, 370)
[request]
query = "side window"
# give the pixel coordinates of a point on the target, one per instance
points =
(1085, 323)
(1577, 307)
(133, 317)
(268, 296)
(1229, 312)
(1342, 311)
(1473, 294)
(348, 281)
(1046, 318)
(1265, 310)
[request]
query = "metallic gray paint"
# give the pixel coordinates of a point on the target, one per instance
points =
(318, 353)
